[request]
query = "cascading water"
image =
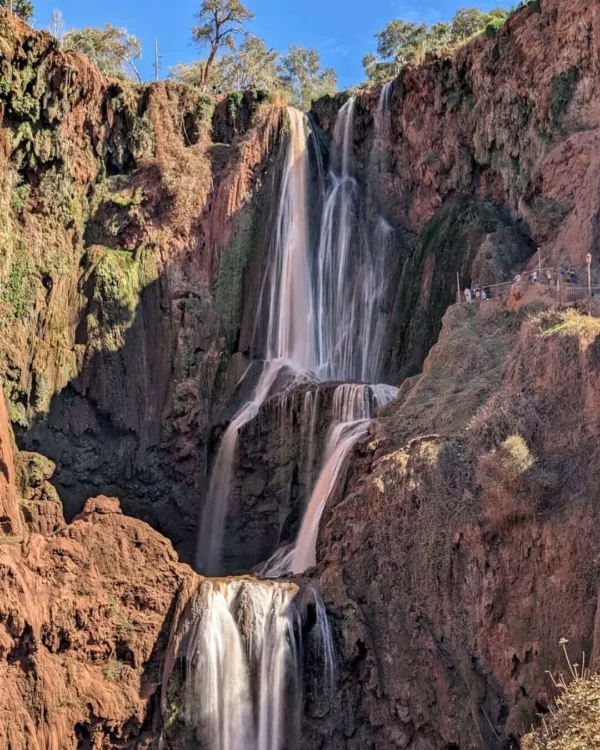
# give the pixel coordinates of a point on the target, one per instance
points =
(350, 278)
(289, 340)
(382, 115)
(353, 408)
(241, 657)
(241, 647)
(212, 526)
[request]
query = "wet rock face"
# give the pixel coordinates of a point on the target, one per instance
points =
(278, 459)
(131, 215)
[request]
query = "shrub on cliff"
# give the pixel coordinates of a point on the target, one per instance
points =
(575, 723)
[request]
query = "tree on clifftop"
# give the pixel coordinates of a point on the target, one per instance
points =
(401, 43)
(302, 76)
(22, 8)
(252, 66)
(112, 49)
(220, 21)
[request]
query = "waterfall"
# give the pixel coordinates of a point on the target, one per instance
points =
(383, 113)
(354, 405)
(212, 525)
(290, 316)
(351, 414)
(242, 653)
(289, 338)
(350, 274)
(241, 644)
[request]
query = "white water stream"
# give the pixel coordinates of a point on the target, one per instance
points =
(242, 649)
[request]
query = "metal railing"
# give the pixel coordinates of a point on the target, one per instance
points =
(562, 281)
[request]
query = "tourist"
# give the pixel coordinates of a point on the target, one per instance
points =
(483, 295)
(534, 277)
(477, 293)
(468, 297)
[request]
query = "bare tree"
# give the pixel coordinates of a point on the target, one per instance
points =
(57, 25)
(220, 21)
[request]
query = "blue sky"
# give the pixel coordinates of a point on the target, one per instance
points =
(342, 30)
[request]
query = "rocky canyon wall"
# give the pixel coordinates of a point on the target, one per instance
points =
(461, 543)
(130, 216)
(479, 159)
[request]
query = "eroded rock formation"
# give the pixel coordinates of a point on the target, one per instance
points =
(460, 545)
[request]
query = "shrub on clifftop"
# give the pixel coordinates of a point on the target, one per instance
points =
(575, 723)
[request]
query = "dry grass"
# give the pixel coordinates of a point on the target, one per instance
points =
(185, 170)
(509, 462)
(568, 322)
(574, 724)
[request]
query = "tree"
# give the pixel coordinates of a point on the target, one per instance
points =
(57, 25)
(22, 8)
(253, 66)
(112, 49)
(301, 74)
(439, 37)
(402, 43)
(220, 21)
(190, 73)
(470, 21)
(378, 71)
(466, 23)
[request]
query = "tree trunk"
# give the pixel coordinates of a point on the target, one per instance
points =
(207, 68)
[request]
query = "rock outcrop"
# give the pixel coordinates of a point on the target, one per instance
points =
(129, 220)
(10, 517)
(466, 547)
(480, 159)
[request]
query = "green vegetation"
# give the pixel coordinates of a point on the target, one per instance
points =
(568, 322)
(17, 291)
(22, 8)
(252, 66)
(229, 290)
(113, 50)
(296, 75)
(401, 43)
(303, 78)
(171, 714)
(113, 671)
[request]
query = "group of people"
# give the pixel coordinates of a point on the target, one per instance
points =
(567, 275)
(549, 276)
(475, 295)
